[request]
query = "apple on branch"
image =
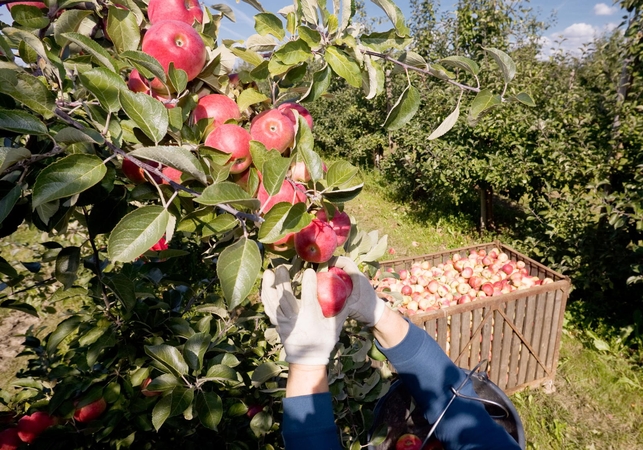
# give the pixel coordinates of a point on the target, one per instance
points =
(290, 192)
(273, 129)
(341, 224)
(235, 140)
(332, 293)
(287, 109)
(91, 411)
(173, 41)
(316, 242)
(9, 439)
(187, 11)
(218, 107)
(31, 426)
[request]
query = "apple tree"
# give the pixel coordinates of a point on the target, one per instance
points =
(167, 179)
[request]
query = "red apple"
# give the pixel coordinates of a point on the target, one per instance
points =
(136, 174)
(160, 245)
(406, 290)
(273, 129)
(172, 173)
(144, 390)
(235, 140)
(218, 107)
(174, 41)
(408, 441)
(346, 278)
(340, 222)
(332, 293)
(91, 411)
(284, 244)
(183, 10)
(316, 242)
(299, 172)
(9, 439)
(137, 83)
(30, 427)
(289, 192)
(288, 108)
(253, 410)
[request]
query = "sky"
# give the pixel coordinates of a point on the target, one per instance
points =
(576, 21)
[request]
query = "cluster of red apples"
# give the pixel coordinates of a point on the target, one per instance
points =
(30, 426)
(462, 279)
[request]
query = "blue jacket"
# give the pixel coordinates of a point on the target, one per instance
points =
(429, 374)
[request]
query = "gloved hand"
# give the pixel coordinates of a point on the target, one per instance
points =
(363, 304)
(307, 336)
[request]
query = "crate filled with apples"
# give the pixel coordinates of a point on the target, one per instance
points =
(474, 275)
(483, 302)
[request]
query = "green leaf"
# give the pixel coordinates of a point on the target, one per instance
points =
(504, 61)
(9, 155)
(28, 39)
(343, 66)
(294, 52)
(229, 193)
(194, 349)
(174, 156)
(122, 287)
(462, 63)
(19, 306)
(221, 372)
(209, 408)
(395, 15)
(251, 57)
(70, 135)
(29, 16)
(265, 372)
(525, 99)
(5, 49)
(250, 97)
(100, 55)
(310, 36)
(64, 329)
(220, 224)
(384, 41)
(69, 21)
(320, 84)
(7, 269)
(178, 78)
(137, 232)
(404, 110)
(167, 359)
(340, 173)
(261, 423)
(105, 85)
(67, 264)
(484, 101)
(305, 145)
(122, 29)
(28, 90)
(147, 65)
(268, 23)
(238, 268)
(8, 201)
(308, 10)
(164, 383)
(149, 114)
(343, 195)
(283, 218)
(447, 124)
(260, 154)
(274, 172)
(66, 177)
(161, 411)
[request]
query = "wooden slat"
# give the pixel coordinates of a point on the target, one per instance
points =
(475, 338)
(496, 346)
(554, 337)
(466, 329)
(442, 333)
(486, 335)
(507, 340)
(527, 332)
(535, 338)
(516, 343)
(455, 336)
(547, 327)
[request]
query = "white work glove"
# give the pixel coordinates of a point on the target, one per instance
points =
(307, 336)
(363, 304)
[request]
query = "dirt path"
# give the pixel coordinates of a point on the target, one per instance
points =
(12, 329)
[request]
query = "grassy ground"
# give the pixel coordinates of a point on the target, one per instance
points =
(598, 397)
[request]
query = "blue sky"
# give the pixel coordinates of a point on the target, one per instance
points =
(578, 21)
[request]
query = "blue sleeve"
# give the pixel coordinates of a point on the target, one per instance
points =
(309, 423)
(429, 375)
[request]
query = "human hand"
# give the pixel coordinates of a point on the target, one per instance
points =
(307, 336)
(363, 304)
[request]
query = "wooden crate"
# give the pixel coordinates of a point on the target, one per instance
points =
(518, 333)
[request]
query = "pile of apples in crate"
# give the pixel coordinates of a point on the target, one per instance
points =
(462, 279)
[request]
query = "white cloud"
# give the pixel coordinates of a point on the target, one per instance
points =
(602, 9)
(570, 40)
